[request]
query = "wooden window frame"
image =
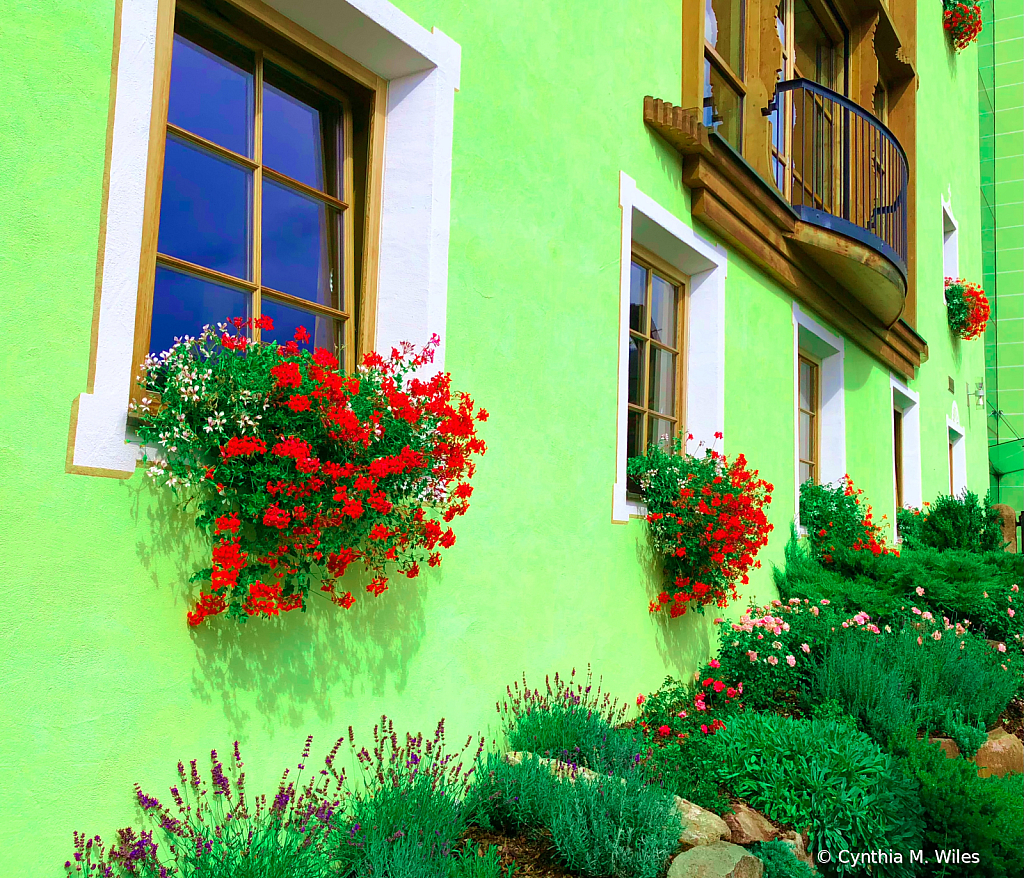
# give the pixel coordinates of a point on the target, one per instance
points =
(656, 265)
(359, 304)
(814, 463)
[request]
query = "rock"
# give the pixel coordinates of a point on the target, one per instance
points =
(719, 860)
(798, 843)
(948, 746)
(1008, 525)
(561, 770)
(700, 827)
(748, 826)
(1001, 754)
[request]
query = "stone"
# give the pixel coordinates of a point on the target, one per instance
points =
(798, 843)
(748, 826)
(719, 860)
(1001, 754)
(948, 745)
(1008, 524)
(561, 770)
(700, 827)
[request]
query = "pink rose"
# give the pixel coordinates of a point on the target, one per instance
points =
(714, 663)
(937, 635)
(772, 660)
(1001, 647)
(752, 655)
(640, 700)
(805, 647)
(790, 660)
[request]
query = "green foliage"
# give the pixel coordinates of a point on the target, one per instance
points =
(780, 861)
(953, 522)
(840, 784)
(899, 683)
(837, 521)
(968, 813)
(484, 864)
(681, 720)
(614, 827)
(691, 771)
(572, 721)
(832, 711)
(959, 584)
(511, 797)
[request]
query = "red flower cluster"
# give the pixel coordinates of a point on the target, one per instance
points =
(967, 308)
(329, 469)
(962, 21)
(711, 536)
(870, 537)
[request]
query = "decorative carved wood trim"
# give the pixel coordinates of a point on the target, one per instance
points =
(749, 214)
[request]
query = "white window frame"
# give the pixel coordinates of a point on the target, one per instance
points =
(907, 401)
(422, 70)
(647, 223)
(956, 434)
(828, 348)
(950, 242)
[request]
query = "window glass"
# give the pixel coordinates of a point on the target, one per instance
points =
(324, 332)
(300, 238)
(184, 303)
(300, 132)
(211, 95)
(723, 106)
(723, 31)
(205, 209)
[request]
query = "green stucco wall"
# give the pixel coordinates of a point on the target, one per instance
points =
(103, 683)
(1001, 108)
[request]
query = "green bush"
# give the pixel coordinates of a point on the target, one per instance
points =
(511, 798)
(573, 722)
(955, 583)
(839, 784)
(780, 861)
(952, 522)
(900, 683)
(968, 813)
(836, 520)
(691, 771)
(615, 827)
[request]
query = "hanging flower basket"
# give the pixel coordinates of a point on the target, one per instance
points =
(296, 470)
(966, 308)
(962, 21)
(707, 520)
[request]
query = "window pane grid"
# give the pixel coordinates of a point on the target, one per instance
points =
(330, 298)
(654, 357)
(808, 406)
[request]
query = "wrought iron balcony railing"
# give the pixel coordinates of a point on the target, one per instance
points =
(840, 167)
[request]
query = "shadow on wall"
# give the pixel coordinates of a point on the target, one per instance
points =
(280, 670)
(682, 643)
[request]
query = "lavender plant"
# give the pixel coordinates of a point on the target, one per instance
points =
(409, 814)
(573, 721)
(214, 830)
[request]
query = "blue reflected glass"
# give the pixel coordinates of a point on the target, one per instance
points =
(212, 97)
(323, 331)
(183, 304)
(300, 240)
(292, 137)
(205, 210)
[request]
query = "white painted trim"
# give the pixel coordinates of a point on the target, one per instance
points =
(649, 224)
(829, 348)
(956, 435)
(950, 241)
(907, 401)
(422, 68)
